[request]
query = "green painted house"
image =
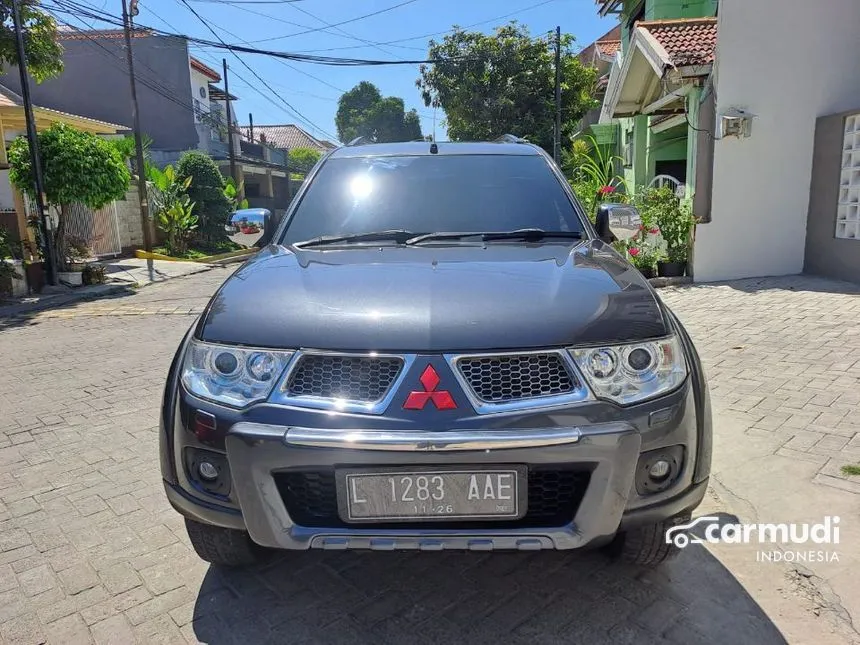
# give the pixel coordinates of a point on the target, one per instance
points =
(658, 100)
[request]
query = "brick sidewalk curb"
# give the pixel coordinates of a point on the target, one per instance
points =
(657, 283)
(89, 293)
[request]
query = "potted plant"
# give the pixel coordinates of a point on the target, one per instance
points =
(10, 265)
(664, 213)
(646, 258)
(93, 273)
(675, 228)
(74, 253)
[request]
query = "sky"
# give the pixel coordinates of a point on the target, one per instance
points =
(312, 90)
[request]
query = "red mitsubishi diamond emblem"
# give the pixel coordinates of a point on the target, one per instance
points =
(417, 399)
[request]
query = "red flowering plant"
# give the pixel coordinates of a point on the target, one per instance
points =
(642, 251)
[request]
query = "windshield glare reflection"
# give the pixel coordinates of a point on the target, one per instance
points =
(361, 186)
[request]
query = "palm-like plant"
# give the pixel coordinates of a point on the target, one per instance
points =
(165, 188)
(178, 222)
(592, 171)
(172, 208)
(231, 192)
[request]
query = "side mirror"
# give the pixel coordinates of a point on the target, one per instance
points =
(617, 222)
(250, 227)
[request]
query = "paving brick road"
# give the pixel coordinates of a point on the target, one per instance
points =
(90, 550)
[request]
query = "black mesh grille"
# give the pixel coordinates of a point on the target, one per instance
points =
(352, 378)
(498, 379)
(554, 494)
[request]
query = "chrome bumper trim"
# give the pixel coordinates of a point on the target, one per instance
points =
(424, 440)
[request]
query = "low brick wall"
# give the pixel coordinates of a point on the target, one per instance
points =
(128, 218)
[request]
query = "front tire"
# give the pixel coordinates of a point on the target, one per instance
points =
(222, 547)
(646, 545)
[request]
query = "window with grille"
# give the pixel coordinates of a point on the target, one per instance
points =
(848, 208)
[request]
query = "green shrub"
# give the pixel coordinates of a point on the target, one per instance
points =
(303, 159)
(79, 167)
(211, 205)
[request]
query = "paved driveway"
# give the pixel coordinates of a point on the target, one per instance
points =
(91, 551)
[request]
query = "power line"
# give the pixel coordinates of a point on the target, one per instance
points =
(329, 99)
(153, 85)
(291, 109)
(286, 64)
(344, 22)
(342, 31)
(327, 30)
(240, 2)
(438, 33)
(64, 7)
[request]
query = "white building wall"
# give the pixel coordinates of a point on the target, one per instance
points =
(789, 62)
(199, 81)
(7, 200)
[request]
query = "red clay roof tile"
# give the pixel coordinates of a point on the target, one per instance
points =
(608, 47)
(688, 41)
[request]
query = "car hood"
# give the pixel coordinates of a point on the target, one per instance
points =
(434, 298)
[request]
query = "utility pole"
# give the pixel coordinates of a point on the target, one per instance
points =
(434, 123)
(138, 138)
(251, 126)
(556, 144)
(230, 149)
(35, 159)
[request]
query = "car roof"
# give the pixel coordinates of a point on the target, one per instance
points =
(416, 148)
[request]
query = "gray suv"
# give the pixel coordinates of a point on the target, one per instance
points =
(435, 349)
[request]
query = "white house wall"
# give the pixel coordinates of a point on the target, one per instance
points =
(199, 81)
(788, 62)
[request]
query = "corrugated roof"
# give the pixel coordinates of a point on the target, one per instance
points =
(287, 136)
(687, 41)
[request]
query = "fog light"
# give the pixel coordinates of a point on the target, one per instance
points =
(658, 470)
(207, 471)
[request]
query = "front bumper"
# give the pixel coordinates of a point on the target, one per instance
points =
(609, 450)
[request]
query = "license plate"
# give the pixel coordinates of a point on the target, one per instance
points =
(432, 494)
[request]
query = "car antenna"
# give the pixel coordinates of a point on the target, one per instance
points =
(434, 149)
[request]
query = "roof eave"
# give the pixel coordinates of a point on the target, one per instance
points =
(654, 54)
(609, 6)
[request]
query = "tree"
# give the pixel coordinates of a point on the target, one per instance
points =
(490, 85)
(363, 112)
(303, 159)
(44, 53)
(211, 205)
(78, 167)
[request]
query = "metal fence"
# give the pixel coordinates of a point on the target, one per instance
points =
(99, 229)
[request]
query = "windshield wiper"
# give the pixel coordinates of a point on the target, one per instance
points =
(397, 235)
(520, 233)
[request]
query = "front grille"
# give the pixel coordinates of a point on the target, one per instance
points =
(504, 378)
(350, 378)
(554, 494)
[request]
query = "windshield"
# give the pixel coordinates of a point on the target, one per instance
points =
(426, 194)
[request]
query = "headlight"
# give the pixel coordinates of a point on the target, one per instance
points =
(632, 373)
(234, 376)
